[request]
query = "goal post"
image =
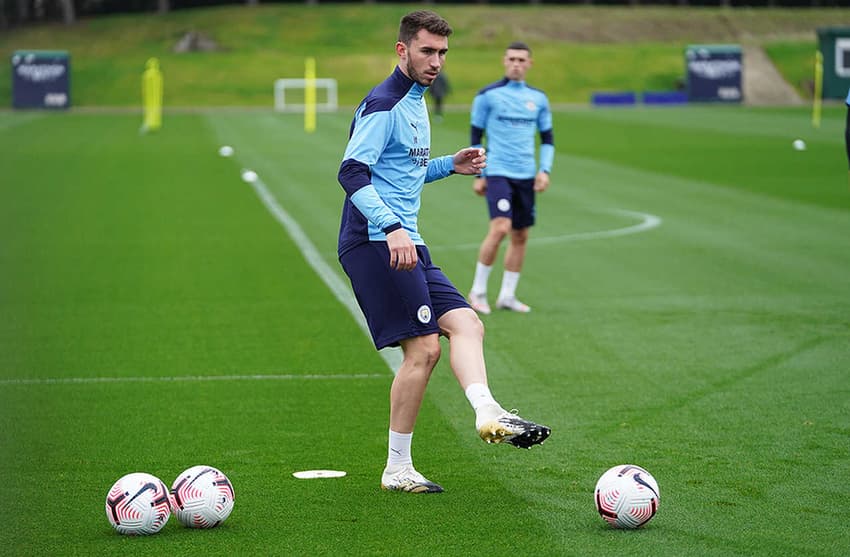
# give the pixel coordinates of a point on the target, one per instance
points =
(290, 94)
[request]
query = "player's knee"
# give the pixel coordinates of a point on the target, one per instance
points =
(500, 227)
(432, 353)
(424, 352)
(478, 328)
(462, 322)
(472, 325)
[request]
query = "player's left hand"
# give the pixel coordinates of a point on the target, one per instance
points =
(541, 181)
(470, 160)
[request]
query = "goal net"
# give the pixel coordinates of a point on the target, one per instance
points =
(289, 94)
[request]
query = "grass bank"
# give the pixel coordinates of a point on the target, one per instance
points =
(577, 49)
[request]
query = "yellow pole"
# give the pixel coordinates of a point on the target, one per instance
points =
(816, 104)
(152, 96)
(310, 95)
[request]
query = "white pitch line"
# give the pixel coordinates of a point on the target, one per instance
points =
(392, 356)
(188, 378)
(647, 222)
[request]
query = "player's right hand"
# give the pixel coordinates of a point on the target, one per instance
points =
(402, 250)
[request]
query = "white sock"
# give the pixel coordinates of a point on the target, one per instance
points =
(398, 452)
(482, 401)
(482, 275)
(509, 282)
(478, 394)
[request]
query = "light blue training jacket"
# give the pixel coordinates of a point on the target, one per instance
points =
(387, 163)
(510, 113)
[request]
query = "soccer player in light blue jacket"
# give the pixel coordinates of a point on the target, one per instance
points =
(510, 114)
(405, 297)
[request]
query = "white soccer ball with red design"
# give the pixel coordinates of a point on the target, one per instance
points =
(137, 504)
(202, 497)
(627, 496)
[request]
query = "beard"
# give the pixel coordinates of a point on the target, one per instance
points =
(419, 78)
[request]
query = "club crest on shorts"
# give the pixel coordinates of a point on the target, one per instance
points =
(503, 205)
(424, 314)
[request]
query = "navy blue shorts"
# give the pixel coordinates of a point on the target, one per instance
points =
(399, 304)
(514, 199)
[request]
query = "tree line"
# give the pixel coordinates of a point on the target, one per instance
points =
(22, 12)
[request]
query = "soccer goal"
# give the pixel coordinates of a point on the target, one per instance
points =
(289, 94)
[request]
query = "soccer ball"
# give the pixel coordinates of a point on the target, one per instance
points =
(627, 496)
(202, 497)
(137, 504)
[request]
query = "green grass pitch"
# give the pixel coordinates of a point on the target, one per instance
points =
(690, 284)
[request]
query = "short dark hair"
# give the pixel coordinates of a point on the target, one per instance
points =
(413, 22)
(519, 45)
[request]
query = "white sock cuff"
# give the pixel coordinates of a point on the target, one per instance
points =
(482, 275)
(482, 268)
(398, 451)
(510, 279)
(478, 394)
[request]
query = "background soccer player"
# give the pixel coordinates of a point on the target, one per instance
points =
(439, 89)
(510, 113)
(407, 300)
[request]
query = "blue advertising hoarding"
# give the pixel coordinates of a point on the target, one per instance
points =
(714, 73)
(41, 79)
